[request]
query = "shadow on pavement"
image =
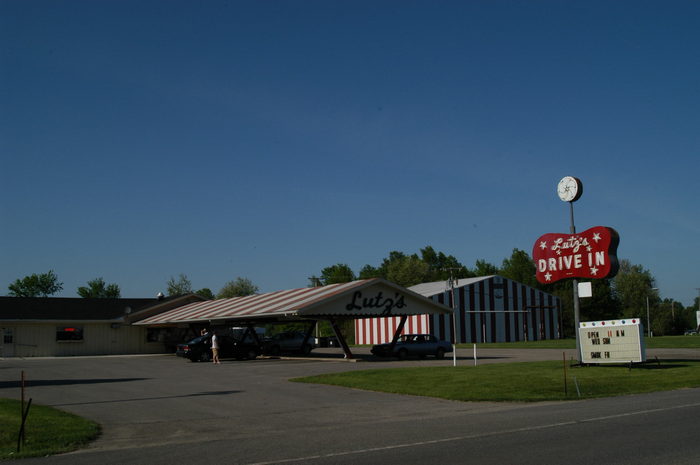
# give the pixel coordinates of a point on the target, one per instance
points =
(64, 382)
(197, 394)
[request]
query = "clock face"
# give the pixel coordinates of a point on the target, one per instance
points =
(569, 189)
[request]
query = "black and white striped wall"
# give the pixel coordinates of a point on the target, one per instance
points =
(488, 309)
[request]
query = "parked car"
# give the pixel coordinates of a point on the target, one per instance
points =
(199, 348)
(326, 341)
(413, 345)
(691, 332)
(288, 341)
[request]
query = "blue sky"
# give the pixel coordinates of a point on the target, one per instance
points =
(270, 139)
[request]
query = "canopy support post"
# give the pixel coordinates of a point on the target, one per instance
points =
(309, 332)
(251, 330)
(341, 339)
(397, 333)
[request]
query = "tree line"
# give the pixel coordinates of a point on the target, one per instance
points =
(626, 295)
(239, 287)
(47, 284)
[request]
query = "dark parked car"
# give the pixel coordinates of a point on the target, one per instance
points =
(288, 341)
(413, 345)
(199, 348)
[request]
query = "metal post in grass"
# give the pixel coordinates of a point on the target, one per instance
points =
(23, 412)
(20, 436)
(566, 393)
(21, 385)
(21, 408)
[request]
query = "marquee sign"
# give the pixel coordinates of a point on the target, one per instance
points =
(617, 341)
(591, 254)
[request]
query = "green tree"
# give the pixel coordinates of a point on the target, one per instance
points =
(98, 289)
(603, 305)
(407, 271)
(394, 256)
(239, 287)
(179, 286)
(632, 286)
(340, 273)
(564, 290)
(688, 318)
(623, 296)
(369, 272)
(36, 285)
(206, 293)
(672, 318)
(441, 266)
(484, 268)
(519, 267)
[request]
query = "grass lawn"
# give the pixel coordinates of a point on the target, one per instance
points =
(519, 382)
(47, 431)
(659, 342)
(672, 342)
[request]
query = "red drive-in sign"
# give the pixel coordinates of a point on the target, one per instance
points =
(591, 254)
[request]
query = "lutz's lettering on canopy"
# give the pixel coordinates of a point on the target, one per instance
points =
(591, 254)
(379, 301)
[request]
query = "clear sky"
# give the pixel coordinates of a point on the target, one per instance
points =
(270, 139)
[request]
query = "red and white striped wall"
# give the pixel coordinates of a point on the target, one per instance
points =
(381, 330)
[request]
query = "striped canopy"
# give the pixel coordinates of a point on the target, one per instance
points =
(356, 299)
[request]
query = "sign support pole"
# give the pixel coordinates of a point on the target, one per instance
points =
(591, 254)
(577, 307)
(451, 288)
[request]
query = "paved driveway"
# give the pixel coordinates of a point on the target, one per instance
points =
(162, 409)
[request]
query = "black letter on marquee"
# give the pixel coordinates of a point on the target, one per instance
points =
(352, 306)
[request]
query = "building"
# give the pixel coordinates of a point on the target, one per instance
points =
(51, 326)
(32, 327)
(332, 303)
(487, 309)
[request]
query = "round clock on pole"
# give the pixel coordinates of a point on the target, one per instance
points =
(569, 189)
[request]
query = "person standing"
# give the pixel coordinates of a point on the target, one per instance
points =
(215, 347)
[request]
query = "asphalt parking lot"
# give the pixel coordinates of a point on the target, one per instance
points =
(163, 409)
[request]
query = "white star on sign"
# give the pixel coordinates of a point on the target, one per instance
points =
(594, 271)
(596, 237)
(543, 245)
(548, 276)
